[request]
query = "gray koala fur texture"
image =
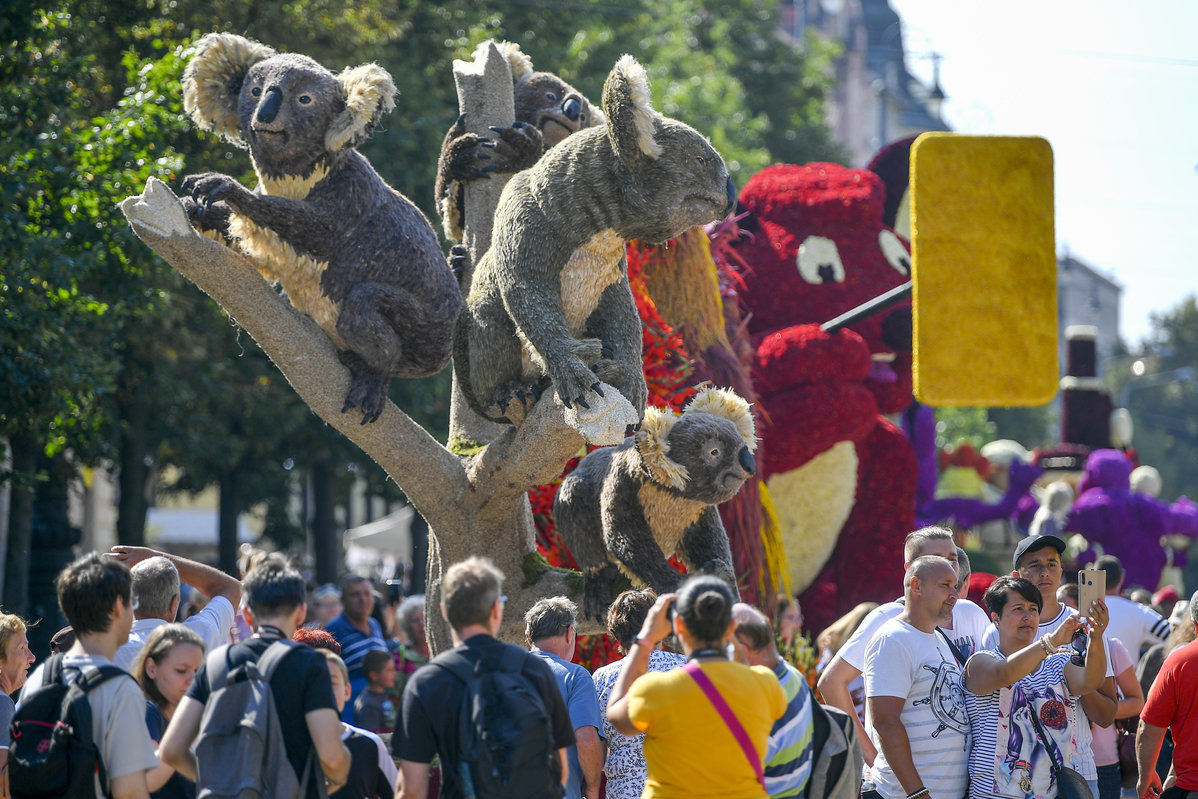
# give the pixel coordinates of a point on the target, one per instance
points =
(348, 250)
(547, 110)
(550, 298)
(629, 507)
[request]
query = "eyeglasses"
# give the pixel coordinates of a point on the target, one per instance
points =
(1078, 658)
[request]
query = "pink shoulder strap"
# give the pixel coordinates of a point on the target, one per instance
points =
(737, 729)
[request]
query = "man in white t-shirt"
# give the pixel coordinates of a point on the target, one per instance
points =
(156, 580)
(1136, 626)
(915, 712)
(95, 595)
(842, 678)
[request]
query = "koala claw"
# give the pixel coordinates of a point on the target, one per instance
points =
(606, 350)
(598, 389)
(580, 402)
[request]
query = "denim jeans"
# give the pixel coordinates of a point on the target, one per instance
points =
(1110, 782)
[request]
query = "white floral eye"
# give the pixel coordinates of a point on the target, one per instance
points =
(895, 252)
(819, 261)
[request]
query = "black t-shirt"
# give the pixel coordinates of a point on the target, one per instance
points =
(366, 780)
(300, 685)
(432, 702)
(178, 786)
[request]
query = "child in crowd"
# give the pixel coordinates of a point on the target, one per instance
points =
(372, 772)
(374, 709)
(164, 669)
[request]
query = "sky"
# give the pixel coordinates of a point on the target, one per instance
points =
(1113, 87)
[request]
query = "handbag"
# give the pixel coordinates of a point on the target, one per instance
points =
(1070, 784)
(734, 725)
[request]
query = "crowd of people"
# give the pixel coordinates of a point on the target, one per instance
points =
(928, 695)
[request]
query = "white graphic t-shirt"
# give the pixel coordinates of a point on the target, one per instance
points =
(1007, 757)
(903, 661)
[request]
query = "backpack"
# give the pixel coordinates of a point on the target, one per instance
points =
(53, 753)
(504, 730)
(240, 751)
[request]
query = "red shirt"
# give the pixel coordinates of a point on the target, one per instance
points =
(1173, 702)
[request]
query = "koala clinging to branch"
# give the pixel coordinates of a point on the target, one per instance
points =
(348, 250)
(550, 298)
(547, 110)
(633, 505)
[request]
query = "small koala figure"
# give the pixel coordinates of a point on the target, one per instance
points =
(351, 252)
(631, 506)
(550, 298)
(547, 110)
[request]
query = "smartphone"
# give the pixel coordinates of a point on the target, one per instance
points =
(1091, 586)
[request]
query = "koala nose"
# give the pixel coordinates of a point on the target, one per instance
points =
(731, 191)
(572, 109)
(896, 330)
(747, 461)
(269, 108)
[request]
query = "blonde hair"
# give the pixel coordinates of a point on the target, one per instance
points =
(336, 660)
(10, 625)
(840, 631)
(158, 647)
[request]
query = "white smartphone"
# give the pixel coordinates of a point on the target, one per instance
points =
(1091, 587)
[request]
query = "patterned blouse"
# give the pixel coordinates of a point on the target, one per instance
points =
(625, 765)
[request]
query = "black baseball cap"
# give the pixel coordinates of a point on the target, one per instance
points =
(1034, 542)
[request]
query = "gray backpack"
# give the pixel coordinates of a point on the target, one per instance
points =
(240, 753)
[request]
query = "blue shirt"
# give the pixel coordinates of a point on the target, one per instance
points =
(578, 690)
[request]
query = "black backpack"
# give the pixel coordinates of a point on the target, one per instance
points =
(504, 730)
(53, 753)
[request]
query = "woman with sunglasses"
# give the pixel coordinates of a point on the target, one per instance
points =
(1022, 699)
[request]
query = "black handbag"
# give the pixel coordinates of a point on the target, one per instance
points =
(1070, 784)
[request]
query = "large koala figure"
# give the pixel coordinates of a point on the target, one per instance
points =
(551, 297)
(633, 505)
(348, 250)
(547, 110)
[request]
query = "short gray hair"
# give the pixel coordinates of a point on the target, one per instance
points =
(406, 612)
(549, 618)
(963, 568)
(1194, 607)
(155, 586)
(913, 546)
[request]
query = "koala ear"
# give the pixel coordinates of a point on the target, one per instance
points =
(729, 405)
(520, 63)
(653, 444)
(369, 93)
(631, 120)
(213, 77)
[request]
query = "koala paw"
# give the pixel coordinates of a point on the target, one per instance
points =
(517, 147)
(515, 399)
(368, 392)
(469, 158)
(573, 380)
(598, 592)
(459, 260)
(211, 187)
(207, 217)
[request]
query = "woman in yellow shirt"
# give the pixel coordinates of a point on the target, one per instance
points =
(694, 748)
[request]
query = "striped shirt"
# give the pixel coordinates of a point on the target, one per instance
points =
(789, 755)
(1007, 757)
(355, 644)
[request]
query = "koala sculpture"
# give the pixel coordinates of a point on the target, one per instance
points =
(631, 506)
(349, 251)
(547, 110)
(550, 298)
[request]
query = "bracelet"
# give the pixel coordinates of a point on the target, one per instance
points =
(645, 642)
(1048, 649)
(920, 792)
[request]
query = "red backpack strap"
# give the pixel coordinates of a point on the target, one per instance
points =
(734, 726)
